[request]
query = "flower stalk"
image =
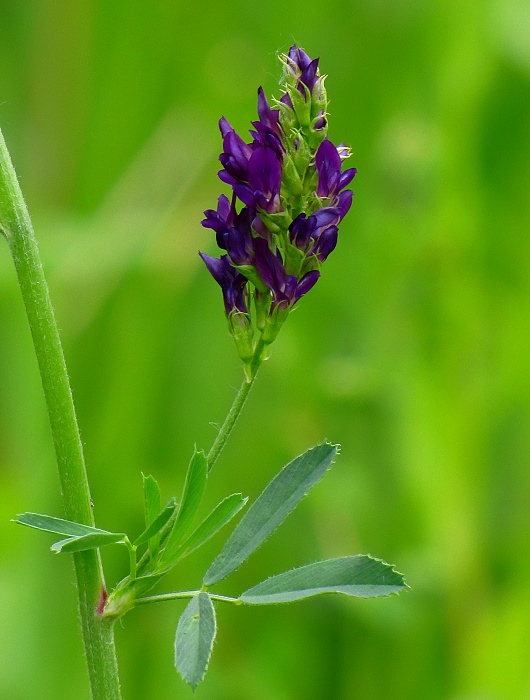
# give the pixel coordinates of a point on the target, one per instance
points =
(15, 224)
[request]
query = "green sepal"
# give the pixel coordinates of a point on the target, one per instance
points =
(302, 155)
(274, 323)
(252, 275)
(291, 181)
(360, 575)
(316, 136)
(240, 327)
(90, 541)
(157, 524)
(194, 639)
(290, 73)
(287, 117)
(270, 509)
(301, 105)
(319, 98)
(294, 258)
(277, 222)
(310, 186)
(262, 304)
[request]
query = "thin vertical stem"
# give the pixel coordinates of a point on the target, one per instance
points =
(15, 224)
(237, 405)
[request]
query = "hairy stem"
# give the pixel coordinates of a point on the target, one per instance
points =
(15, 224)
(237, 406)
(184, 594)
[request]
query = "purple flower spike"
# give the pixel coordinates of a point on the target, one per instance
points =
(231, 281)
(288, 199)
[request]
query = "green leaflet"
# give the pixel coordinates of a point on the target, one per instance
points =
(194, 639)
(152, 507)
(152, 502)
(270, 509)
(80, 537)
(220, 516)
(90, 541)
(59, 526)
(360, 575)
(191, 498)
(157, 524)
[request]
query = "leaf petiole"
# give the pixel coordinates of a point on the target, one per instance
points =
(184, 594)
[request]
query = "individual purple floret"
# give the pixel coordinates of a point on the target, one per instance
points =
(264, 178)
(220, 220)
(331, 179)
(232, 283)
(268, 118)
(316, 234)
(286, 289)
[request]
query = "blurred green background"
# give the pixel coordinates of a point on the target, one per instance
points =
(412, 351)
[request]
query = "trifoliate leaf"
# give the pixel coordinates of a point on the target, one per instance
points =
(270, 509)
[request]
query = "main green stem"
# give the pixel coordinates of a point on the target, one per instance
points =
(15, 224)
